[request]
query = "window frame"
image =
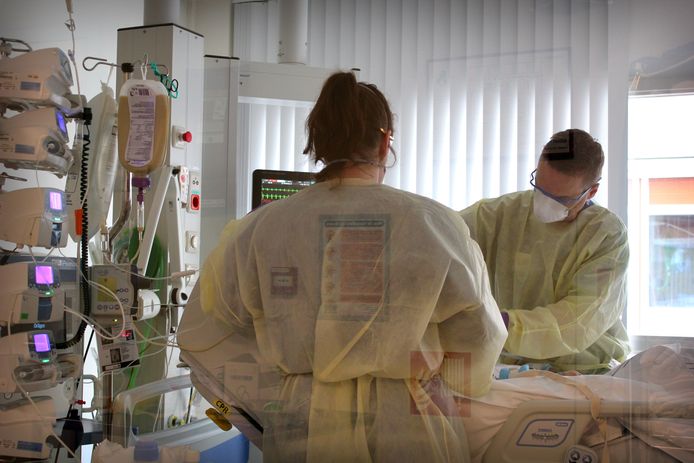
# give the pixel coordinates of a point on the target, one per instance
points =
(645, 323)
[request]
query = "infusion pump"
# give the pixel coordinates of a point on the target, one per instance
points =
(40, 77)
(27, 362)
(33, 217)
(30, 293)
(35, 139)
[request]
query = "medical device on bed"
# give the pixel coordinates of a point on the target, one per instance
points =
(35, 139)
(30, 293)
(40, 77)
(33, 217)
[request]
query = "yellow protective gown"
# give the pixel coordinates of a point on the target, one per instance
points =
(374, 306)
(563, 284)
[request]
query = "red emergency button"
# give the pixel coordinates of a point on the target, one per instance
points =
(187, 136)
(195, 202)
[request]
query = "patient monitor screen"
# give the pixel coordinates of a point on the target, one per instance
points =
(272, 185)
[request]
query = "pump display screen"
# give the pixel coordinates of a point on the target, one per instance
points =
(42, 342)
(44, 275)
(61, 123)
(55, 200)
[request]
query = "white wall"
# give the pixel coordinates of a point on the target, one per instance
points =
(656, 26)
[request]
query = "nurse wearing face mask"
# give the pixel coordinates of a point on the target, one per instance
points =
(557, 261)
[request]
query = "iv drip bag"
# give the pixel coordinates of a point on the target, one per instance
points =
(143, 125)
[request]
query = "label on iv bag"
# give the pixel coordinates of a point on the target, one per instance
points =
(142, 106)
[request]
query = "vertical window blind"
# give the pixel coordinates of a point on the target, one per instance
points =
(477, 87)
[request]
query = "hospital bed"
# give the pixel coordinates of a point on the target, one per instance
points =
(533, 430)
(536, 431)
(556, 430)
(641, 412)
(203, 435)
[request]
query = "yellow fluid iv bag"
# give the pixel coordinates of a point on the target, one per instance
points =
(143, 125)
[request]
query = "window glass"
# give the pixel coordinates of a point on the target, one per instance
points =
(661, 216)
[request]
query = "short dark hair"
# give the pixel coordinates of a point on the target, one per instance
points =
(575, 152)
(348, 119)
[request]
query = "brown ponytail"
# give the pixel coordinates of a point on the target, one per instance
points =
(345, 123)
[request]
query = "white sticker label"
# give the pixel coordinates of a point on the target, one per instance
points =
(142, 105)
(120, 352)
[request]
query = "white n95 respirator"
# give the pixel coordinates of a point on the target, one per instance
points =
(548, 210)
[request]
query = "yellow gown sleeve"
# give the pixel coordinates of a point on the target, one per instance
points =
(594, 303)
(471, 329)
(219, 283)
